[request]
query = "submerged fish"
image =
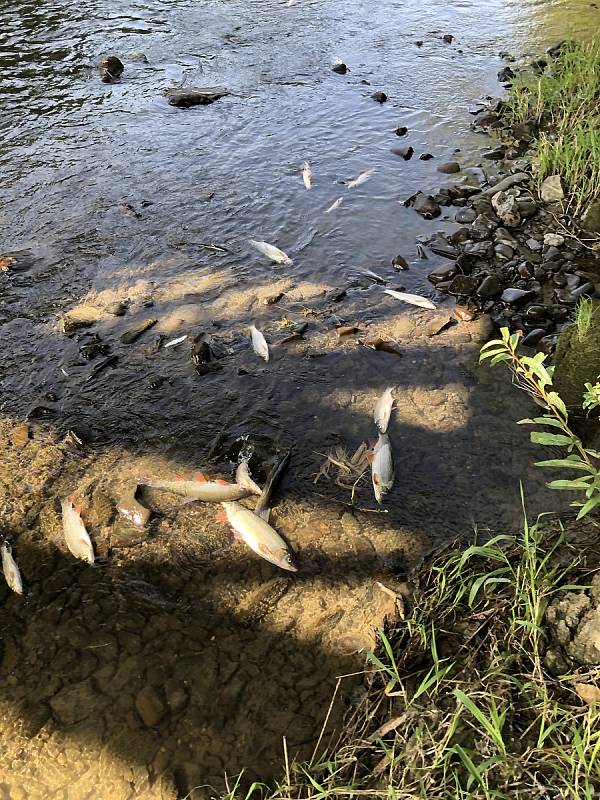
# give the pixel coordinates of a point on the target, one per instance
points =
(382, 467)
(243, 478)
(259, 343)
(413, 299)
(272, 252)
(76, 536)
(200, 489)
(307, 175)
(336, 204)
(10, 570)
(360, 178)
(259, 536)
(383, 409)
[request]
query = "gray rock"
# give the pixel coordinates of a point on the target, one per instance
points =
(590, 219)
(404, 152)
(426, 206)
(402, 130)
(441, 275)
(507, 209)
(150, 706)
(479, 249)
(533, 337)
(463, 285)
(136, 330)
(504, 251)
(137, 57)
(340, 68)
(552, 254)
(194, 96)
(515, 296)
(449, 167)
(505, 183)
(117, 309)
(442, 247)
(465, 216)
(399, 263)
(552, 189)
(554, 239)
(379, 97)
(497, 154)
(110, 68)
(534, 244)
(489, 287)
(482, 228)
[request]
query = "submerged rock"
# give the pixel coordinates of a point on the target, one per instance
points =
(194, 96)
(426, 206)
(340, 68)
(80, 317)
(402, 130)
(379, 97)
(110, 68)
(465, 216)
(449, 167)
(404, 152)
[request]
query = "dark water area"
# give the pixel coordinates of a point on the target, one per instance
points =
(182, 656)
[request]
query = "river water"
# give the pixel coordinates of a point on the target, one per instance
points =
(181, 656)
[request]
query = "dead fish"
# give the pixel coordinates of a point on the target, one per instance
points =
(382, 467)
(385, 345)
(258, 535)
(370, 274)
(200, 488)
(11, 570)
(272, 252)
(243, 478)
(131, 509)
(336, 204)
(383, 409)
(76, 536)
(307, 175)
(360, 178)
(175, 342)
(421, 252)
(413, 299)
(259, 343)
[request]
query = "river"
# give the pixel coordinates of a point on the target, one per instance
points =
(180, 656)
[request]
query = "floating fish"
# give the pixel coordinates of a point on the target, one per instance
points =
(383, 409)
(10, 570)
(382, 467)
(175, 342)
(307, 175)
(200, 488)
(76, 536)
(336, 204)
(360, 178)
(258, 535)
(413, 299)
(272, 252)
(243, 478)
(259, 343)
(370, 274)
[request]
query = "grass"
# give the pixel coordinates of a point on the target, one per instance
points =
(563, 103)
(584, 313)
(458, 702)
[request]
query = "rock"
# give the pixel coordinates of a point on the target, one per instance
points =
(449, 167)
(536, 312)
(272, 299)
(149, 706)
(130, 509)
(177, 695)
(479, 249)
(482, 228)
(340, 68)
(584, 289)
(506, 207)
(402, 130)
(136, 331)
(137, 57)
(385, 345)
(463, 285)
(350, 524)
(555, 50)
(506, 74)
(505, 183)
(379, 97)
(194, 96)
(497, 154)
(533, 337)
(442, 275)
(426, 157)
(117, 308)
(464, 313)
(552, 254)
(590, 219)
(448, 38)
(465, 216)
(438, 324)
(554, 239)
(534, 244)
(481, 329)
(74, 703)
(17, 261)
(552, 189)
(110, 68)
(527, 208)
(489, 287)
(504, 251)
(19, 435)
(346, 330)
(399, 263)
(426, 206)
(80, 317)
(442, 247)
(515, 296)
(404, 152)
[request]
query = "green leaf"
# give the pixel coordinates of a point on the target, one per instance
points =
(566, 463)
(492, 353)
(570, 485)
(589, 506)
(555, 400)
(499, 358)
(554, 439)
(493, 343)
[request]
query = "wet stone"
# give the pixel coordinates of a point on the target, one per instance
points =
(489, 287)
(117, 308)
(426, 156)
(482, 228)
(379, 97)
(136, 330)
(465, 216)
(479, 249)
(149, 706)
(533, 337)
(442, 275)
(426, 206)
(536, 312)
(438, 324)
(514, 296)
(401, 131)
(194, 96)
(404, 152)
(504, 251)
(497, 154)
(464, 313)
(399, 263)
(110, 68)
(463, 285)
(534, 244)
(449, 167)
(442, 247)
(340, 68)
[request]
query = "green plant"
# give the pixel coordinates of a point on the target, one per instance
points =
(584, 313)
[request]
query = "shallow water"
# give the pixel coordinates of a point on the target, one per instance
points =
(115, 192)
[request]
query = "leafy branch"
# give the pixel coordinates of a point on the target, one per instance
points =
(531, 374)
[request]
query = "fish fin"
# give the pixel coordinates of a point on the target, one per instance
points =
(179, 477)
(200, 477)
(77, 509)
(222, 482)
(265, 550)
(265, 514)
(221, 517)
(369, 456)
(237, 536)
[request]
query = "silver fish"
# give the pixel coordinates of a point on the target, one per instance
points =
(272, 252)
(360, 178)
(259, 536)
(413, 299)
(383, 409)
(10, 570)
(370, 274)
(259, 343)
(307, 175)
(382, 467)
(243, 478)
(200, 489)
(175, 342)
(336, 204)
(76, 536)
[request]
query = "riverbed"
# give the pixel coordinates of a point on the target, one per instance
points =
(180, 655)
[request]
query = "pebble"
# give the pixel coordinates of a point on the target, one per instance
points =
(379, 97)
(533, 337)
(465, 216)
(552, 190)
(136, 331)
(426, 206)
(482, 228)
(479, 249)
(442, 247)
(340, 68)
(497, 154)
(554, 239)
(463, 285)
(552, 254)
(399, 263)
(404, 152)
(426, 156)
(111, 68)
(534, 244)
(448, 38)
(536, 312)
(514, 296)
(489, 287)
(449, 167)
(117, 308)
(464, 313)
(80, 317)
(439, 275)
(504, 251)
(272, 299)
(402, 130)
(149, 706)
